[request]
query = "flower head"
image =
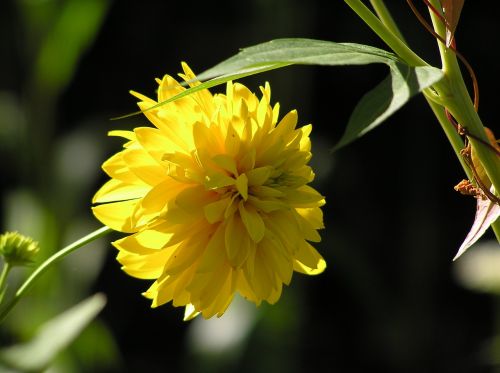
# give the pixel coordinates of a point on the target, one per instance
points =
(18, 250)
(215, 197)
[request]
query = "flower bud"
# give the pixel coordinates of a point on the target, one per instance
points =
(18, 250)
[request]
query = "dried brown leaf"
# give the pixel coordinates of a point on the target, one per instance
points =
(486, 214)
(452, 10)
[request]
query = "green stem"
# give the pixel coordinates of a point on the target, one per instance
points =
(387, 29)
(386, 18)
(457, 144)
(48, 263)
(385, 33)
(462, 108)
(3, 279)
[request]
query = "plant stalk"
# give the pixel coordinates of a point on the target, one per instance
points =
(48, 263)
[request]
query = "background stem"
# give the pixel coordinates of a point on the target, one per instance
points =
(48, 263)
(3, 279)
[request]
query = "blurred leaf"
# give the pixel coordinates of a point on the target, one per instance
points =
(478, 270)
(486, 214)
(452, 10)
(12, 123)
(387, 97)
(52, 337)
(73, 30)
(95, 349)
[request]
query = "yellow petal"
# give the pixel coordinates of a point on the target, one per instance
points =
(190, 312)
(216, 180)
(129, 135)
(185, 254)
(226, 162)
(304, 196)
(244, 288)
(253, 221)
(285, 227)
(260, 277)
(214, 254)
(242, 186)
(237, 241)
(314, 216)
(117, 215)
(214, 211)
(155, 142)
(284, 129)
(232, 142)
(144, 166)
(193, 199)
(308, 260)
(116, 190)
(207, 138)
(305, 141)
(224, 297)
(280, 260)
(116, 168)
(267, 205)
(147, 267)
(169, 87)
(212, 290)
(247, 163)
(155, 201)
(259, 176)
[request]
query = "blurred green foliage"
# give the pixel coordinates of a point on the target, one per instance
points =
(41, 194)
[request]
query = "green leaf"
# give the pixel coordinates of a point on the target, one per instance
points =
(391, 94)
(302, 52)
(52, 337)
(280, 53)
(403, 82)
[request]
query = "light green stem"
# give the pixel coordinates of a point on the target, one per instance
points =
(48, 263)
(3, 279)
(451, 133)
(385, 33)
(461, 107)
(453, 93)
(386, 18)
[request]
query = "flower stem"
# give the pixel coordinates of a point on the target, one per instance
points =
(48, 263)
(3, 279)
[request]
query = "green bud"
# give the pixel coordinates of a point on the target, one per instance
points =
(18, 250)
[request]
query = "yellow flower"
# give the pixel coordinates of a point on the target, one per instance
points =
(216, 198)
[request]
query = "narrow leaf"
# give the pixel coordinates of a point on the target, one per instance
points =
(487, 212)
(52, 337)
(387, 97)
(280, 53)
(452, 10)
(403, 83)
(302, 52)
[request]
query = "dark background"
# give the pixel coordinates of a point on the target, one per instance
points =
(389, 300)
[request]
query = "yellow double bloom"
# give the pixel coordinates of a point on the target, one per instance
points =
(215, 197)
